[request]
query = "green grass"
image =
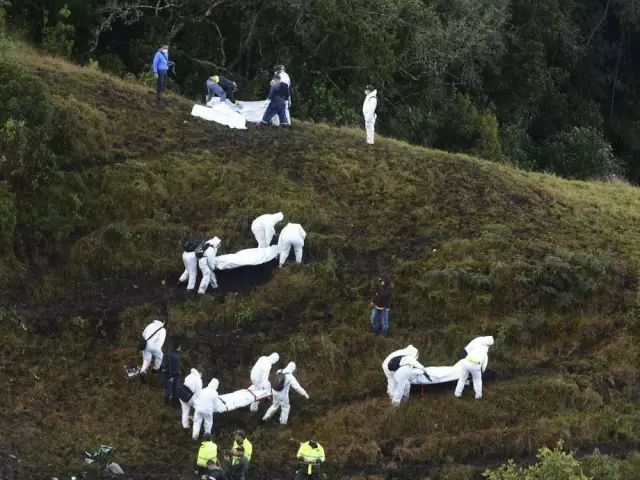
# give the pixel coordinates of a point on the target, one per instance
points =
(548, 266)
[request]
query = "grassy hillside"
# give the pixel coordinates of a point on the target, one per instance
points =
(547, 266)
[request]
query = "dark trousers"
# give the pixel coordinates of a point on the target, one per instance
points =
(161, 84)
(276, 107)
(171, 391)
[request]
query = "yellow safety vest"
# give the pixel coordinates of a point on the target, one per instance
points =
(248, 451)
(310, 454)
(208, 451)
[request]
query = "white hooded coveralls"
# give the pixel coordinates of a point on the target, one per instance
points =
(281, 398)
(474, 364)
(263, 228)
(190, 269)
(207, 265)
(203, 406)
(292, 235)
(260, 375)
(194, 382)
(399, 381)
(154, 345)
(369, 112)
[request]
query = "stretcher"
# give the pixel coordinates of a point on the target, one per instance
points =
(439, 375)
(248, 257)
(239, 399)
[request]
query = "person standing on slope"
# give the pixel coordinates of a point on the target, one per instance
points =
(284, 78)
(311, 456)
(399, 367)
(260, 375)
(291, 236)
(190, 262)
(203, 407)
(160, 68)
(188, 392)
(278, 99)
(207, 264)
(369, 111)
(284, 381)
(172, 374)
(474, 364)
(381, 305)
(208, 452)
(264, 228)
(151, 343)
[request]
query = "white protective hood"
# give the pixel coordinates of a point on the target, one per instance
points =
(275, 357)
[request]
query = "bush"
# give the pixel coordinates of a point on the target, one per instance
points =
(111, 63)
(324, 104)
(59, 39)
(581, 153)
(552, 464)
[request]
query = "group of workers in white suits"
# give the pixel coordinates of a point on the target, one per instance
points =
(403, 369)
(203, 254)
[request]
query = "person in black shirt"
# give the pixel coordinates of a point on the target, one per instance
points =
(172, 374)
(380, 306)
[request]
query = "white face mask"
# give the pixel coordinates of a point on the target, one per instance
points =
(165, 50)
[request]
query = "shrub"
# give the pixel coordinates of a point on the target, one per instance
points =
(111, 63)
(554, 463)
(59, 38)
(581, 153)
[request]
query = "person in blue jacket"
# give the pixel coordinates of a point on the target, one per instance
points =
(214, 89)
(278, 98)
(160, 68)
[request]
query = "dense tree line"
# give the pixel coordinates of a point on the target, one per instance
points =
(546, 85)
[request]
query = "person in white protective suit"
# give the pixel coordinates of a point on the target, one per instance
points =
(291, 236)
(399, 368)
(284, 78)
(263, 228)
(203, 406)
(190, 261)
(369, 111)
(207, 264)
(474, 364)
(281, 396)
(260, 375)
(193, 382)
(154, 334)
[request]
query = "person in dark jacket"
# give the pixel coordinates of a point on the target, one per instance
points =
(229, 86)
(214, 472)
(239, 464)
(172, 374)
(278, 98)
(380, 306)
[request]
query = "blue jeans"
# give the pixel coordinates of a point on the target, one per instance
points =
(161, 84)
(279, 108)
(377, 317)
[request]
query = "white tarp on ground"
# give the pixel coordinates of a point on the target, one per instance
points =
(222, 113)
(239, 399)
(253, 111)
(248, 257)
(439, 375)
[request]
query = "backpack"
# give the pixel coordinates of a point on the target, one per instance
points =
(278, 382)
(143, 341)
(192, 244)
(201, 249)
(184, 393)
(394, 363)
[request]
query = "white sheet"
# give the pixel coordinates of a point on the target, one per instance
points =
(248, 257)
(239, 399)
(438, 375)
(222, 113)
(253, 111)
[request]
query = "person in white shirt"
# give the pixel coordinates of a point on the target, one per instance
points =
(369, 112)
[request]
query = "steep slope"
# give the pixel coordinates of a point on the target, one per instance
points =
(549, 267)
